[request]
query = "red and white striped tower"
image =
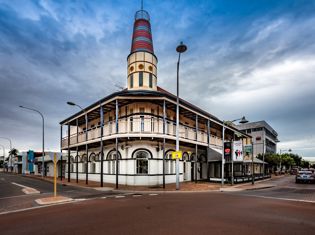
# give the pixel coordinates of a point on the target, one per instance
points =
(142, 69)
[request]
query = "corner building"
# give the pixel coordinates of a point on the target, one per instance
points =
(131, 134)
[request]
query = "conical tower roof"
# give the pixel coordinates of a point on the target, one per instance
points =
(142, 36)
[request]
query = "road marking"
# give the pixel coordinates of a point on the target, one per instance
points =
(153, 194)
(103, 197)
(27, 190)
(279, 198)
(119, 196)
(22, 196)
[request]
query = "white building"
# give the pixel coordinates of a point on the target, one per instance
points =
(130, 134)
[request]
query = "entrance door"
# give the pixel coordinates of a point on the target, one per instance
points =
(192, 171)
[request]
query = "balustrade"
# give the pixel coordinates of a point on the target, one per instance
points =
(142, 125)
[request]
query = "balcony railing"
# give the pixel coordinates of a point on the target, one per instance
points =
(142, 126)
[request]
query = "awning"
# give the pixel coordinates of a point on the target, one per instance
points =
(214, 155)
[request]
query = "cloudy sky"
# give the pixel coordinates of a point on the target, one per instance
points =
(252, 58)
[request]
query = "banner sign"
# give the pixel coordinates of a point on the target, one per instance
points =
(238, 151)
(248, 149)
(227, 150)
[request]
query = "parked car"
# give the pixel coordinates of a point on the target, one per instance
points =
(305, 176)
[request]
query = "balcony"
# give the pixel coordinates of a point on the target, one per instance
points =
(142, 126)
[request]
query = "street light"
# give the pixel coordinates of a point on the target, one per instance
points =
(283, 150)
(241, 120)
(86, 138)
(10, 158)
(43, 138)
(181, 48)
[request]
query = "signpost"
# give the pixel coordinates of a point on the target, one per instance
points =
(54, 157)
(55, 175)
(177, 155)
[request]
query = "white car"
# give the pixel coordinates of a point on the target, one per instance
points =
(305, 176)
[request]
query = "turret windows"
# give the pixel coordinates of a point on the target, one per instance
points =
(140, 79)
(131, 81)
(140, 66)
(150, 80)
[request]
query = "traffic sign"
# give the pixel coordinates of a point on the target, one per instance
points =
(177, 155)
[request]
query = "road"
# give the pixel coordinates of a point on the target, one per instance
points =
(13, 198)
(285, 188)
(172, 213)
(243, 213)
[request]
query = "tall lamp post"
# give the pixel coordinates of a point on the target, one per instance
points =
(43, 137)
(241, 120)
(181, 48)
(86, 138)
(10, 158)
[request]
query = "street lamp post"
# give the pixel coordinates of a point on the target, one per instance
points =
(241, 120)
(86, 138)
(43, 137)
(181, 48)
(10, 158)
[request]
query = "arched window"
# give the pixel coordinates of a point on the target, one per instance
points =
(71, 163)
(77, 160)
(202, 158)
(185, 156)
(142, 164)
(84, 163)
(169, 162)
(193, 157)
(111, 158)
(92, 162)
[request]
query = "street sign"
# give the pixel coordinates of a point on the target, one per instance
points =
(177, 155)
(248, 149)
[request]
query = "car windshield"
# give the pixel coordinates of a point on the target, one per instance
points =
(305, 172)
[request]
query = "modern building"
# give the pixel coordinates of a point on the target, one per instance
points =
(265, 138)
(128, 137)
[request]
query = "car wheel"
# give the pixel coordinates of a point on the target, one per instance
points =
(296, 181)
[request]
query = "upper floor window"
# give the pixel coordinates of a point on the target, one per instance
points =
(131, 81)
(150, 80)
(140, 79)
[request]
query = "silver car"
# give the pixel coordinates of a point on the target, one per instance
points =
(305, 177)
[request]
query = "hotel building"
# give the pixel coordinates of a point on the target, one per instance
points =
(130, 134)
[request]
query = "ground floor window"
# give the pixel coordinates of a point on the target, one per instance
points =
(111, 162)
(142, 164)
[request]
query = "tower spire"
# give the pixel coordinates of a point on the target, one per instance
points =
(142, 69)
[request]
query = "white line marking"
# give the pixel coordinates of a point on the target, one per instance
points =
(280, 198)
(153, 194)
(20, 185)
(22, 196)
(119, 196)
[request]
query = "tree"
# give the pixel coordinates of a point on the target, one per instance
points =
(305, 164)
(14, 152)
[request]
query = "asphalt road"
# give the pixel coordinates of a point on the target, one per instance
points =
(284, 188)
(13, 198)
(168, 213)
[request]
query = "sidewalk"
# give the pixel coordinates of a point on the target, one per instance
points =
(200, 186)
